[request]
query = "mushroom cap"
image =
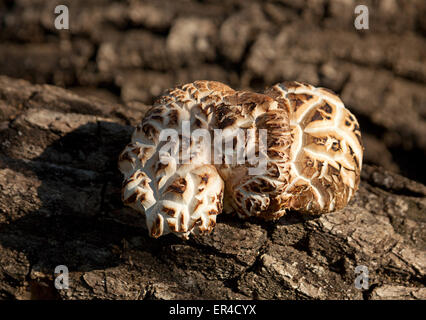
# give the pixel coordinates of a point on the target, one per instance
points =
(176, 196)
(326, 150)
(311, 159)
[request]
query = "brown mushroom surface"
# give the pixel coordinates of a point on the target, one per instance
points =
(312, 155)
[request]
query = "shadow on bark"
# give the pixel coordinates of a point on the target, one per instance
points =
(82, 222)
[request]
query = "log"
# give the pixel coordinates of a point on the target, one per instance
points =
(60, 205)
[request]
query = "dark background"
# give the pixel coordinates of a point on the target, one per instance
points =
(124, 51)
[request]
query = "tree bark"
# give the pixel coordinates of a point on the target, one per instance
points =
(60, 205)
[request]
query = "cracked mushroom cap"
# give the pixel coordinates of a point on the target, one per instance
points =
(312, 157)
(176, 197)
(326, 150)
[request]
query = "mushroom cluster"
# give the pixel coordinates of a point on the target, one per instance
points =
(310, 160)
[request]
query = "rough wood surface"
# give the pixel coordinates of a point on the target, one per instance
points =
(60, 205)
